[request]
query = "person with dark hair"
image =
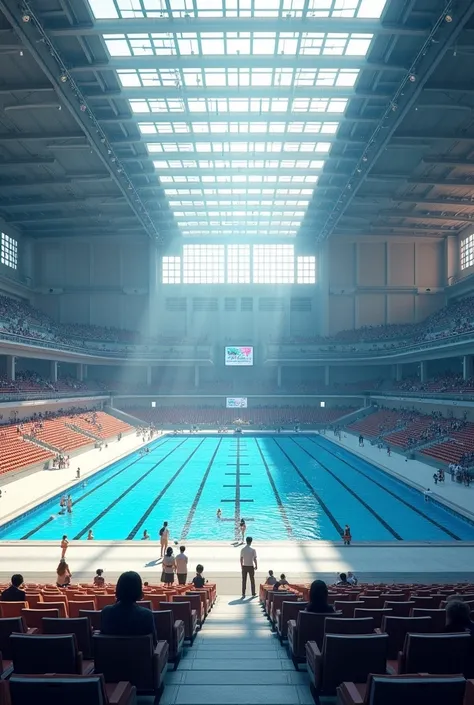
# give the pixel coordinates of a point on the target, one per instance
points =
(63, 574)
(164, 538)
(342, 580)
(199, 580)
(271, 580)
(13, 593)
(318, 598)
(169, 567)
(126, 618)
(248, 563)
(182, 566)
(458, 617)
(282, 582)
(99, 580)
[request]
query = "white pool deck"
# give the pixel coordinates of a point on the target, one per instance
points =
(424, 562)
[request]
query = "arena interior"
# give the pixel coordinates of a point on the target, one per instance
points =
(237, 296)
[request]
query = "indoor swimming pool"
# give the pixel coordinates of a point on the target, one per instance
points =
(298, 487)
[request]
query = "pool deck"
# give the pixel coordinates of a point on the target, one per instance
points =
(423, 562)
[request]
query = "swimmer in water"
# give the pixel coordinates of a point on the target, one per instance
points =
(90, 535)
(219, 513)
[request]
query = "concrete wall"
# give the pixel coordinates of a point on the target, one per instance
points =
(98, 281)
(122, 402)
(374, 281)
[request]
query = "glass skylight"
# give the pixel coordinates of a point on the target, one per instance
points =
(237, 127)
(125, 9)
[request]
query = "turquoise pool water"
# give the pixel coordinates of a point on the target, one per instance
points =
(286, 487)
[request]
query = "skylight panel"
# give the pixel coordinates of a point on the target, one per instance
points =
(117, 45)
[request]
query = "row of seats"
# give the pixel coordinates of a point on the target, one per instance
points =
(386, 630)
(103, 426)
(18, 453)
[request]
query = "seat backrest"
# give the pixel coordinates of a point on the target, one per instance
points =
(76, 606)
(278, 599)
(399, 609)
(398, 627)
(54, 598)
(347, 607)
(34, 618)
(194, 601)
(60, 606)
(80, 626)
(376, 614)
(12, 609)
(102, 601)
(94, 617)
(349, 625)
(425, 601)
(439, 653)
(310, 627)
(438, 617)
(125, 658)
(372, 601)
(34, 599)
(145, 603)
(289, 610)
(414, 690)
(44, 654)
(8, 625)
(156, 599)
(57, 690)
(164, 625)
(181, 610)
(351, 657)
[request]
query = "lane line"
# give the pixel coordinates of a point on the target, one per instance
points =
(237, 492)
(281, 507)
(145, 516)
(375, 514)
(310, 487)
(399, 499)
(97, 487)
(125, 493)
(192, 511)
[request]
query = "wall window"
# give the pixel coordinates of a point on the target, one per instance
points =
(306, 269)
(467, 252)
(273, 264)
(203, 264)
(9, 251)
(238, 264)
(171, 270)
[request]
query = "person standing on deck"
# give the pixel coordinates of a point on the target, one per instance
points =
(248, 563)
(164, 538)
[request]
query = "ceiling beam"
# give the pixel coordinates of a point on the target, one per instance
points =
(448, 88)
(433, 137)
(189, 116)
(274, 185)
(261, 172)
(26, 88)
(58, 181)
(76, 217)
(270, 61)
(98, 201)
(236, 156)
(408, 229)
(36, 41)
(238, 137)
(33, 161)
(39, 136)
(175, 25)
(417, 215)
(238, 92)
(448, 161)
(420, 199)
(422, 180)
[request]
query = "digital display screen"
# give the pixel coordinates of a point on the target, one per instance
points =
(238, 355)
(236, 403)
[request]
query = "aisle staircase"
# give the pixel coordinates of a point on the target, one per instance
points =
(236, 660)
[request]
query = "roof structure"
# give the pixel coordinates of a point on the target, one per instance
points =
(237, 119)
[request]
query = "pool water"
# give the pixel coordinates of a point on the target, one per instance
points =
(286, 487)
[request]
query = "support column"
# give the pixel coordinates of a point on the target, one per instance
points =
(84, 372)
(423, 371)
(11, 365)
(327, 375)
(80, 372)
(398, 373)
(467, 367)
(154, 287)
(148, 376)
(196, 376)
(279, 376)
(53, 371)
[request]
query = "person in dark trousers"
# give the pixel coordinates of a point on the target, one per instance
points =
(199, 580)
(248, 563)
(13, 593)
(458, 617)
(126, 618)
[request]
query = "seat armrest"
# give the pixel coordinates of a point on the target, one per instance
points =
(121, 693)
(79, 662)
(401, 662)
(32, 630)
(377, 630)
(160, 648)
(350, 694)
(314, 660)
(291, 625)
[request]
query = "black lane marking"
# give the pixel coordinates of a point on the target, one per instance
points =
(228, 519)
(237, 492)
(97, 487)
(403, 501)
(145, 516)
(234, 500)
(124, 493)
(310, 487)
(281, 507)
(235, 485)
(375, 514)
(192, 511)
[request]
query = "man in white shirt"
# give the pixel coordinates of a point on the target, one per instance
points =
(182, 566)
(248, 562)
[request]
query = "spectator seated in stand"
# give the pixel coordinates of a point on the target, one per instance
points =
(125, 617)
